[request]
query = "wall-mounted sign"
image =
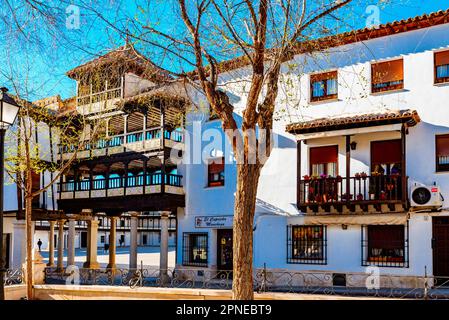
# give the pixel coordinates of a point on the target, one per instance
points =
(214, 222)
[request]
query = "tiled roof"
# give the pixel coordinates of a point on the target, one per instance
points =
(126, 54)
(391, 28)
(410, 117)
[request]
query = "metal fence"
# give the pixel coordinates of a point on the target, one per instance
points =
(265, 280)
(13, 277)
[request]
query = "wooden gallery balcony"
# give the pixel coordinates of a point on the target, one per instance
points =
(331, 144)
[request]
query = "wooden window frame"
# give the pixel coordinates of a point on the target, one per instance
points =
(325, 97)
(440, 167)
(435, 67)
(211, 183)
(389, 85)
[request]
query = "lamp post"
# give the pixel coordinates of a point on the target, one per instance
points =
(8, 114)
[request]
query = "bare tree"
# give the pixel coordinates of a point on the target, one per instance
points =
(266, 33)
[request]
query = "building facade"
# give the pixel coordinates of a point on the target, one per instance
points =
(366, 124)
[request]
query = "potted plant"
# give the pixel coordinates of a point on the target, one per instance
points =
(363, 175)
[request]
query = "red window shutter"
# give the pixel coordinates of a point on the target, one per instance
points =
(216, 167)
(386, 151)
(323, 155)
(386, 237)
(442, 145)
(441, 58)
(387, 71)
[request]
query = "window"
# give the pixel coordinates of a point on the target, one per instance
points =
(195, 249)
(306, 244)
(442, 67)
(387, 76)
(442, 152)
(323, 161)
(216, 172)
(102, 239)
(323, 86)
(385, 245)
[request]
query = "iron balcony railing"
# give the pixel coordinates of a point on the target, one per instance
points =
(150, 179)
(123, 140)
(353, 190)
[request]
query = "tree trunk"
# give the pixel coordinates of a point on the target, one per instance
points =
(29, 251)
(244, 209)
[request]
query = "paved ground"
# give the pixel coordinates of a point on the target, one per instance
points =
(149, 256)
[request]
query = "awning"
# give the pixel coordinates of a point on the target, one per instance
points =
(379, 219)
(385, 118)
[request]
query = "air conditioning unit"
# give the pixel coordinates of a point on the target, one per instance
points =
(426, 197)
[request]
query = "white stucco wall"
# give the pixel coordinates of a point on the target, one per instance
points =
(277, 185)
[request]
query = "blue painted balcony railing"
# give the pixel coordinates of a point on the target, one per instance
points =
(150, 179)
(119, 140)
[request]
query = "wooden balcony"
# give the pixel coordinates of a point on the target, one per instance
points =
(96, 102)
(140, 193)
(140, 141)
(360, 194)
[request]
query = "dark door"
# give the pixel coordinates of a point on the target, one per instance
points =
(144, 239)
(83, 239)
(440, 246)
(224, 250)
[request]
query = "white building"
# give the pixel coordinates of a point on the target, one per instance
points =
(372, 108)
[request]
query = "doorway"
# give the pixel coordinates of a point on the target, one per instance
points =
(440, 246)
(83, 239)
(224, 249)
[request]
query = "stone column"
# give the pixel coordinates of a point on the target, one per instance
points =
(112, 243)
(163, 264)
(133, 244)
(19, 244)
(51, 245)
(61, 244)
(92, 234)
(71, 244)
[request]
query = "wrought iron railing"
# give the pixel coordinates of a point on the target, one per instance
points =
(264, 280)
(353, 190)
(13, 277)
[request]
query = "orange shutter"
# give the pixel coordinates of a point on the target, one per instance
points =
(323, 76)
(323, 155)
(442, 144)
(389, 71)
(216, 167)
(441, 58)
(386, 151)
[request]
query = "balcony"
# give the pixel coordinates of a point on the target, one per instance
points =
(140, 141)
(361, 193)
(99, 101)
(147, 192)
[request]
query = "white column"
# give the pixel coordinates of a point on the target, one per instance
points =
(163, 265)
(71, 244)
(133, 241)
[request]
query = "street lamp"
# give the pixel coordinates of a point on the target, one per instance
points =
(8, 114)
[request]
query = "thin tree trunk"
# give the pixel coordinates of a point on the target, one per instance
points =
(29, 239)
(244, 209)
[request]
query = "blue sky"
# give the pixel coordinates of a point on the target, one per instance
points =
(43, 69)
